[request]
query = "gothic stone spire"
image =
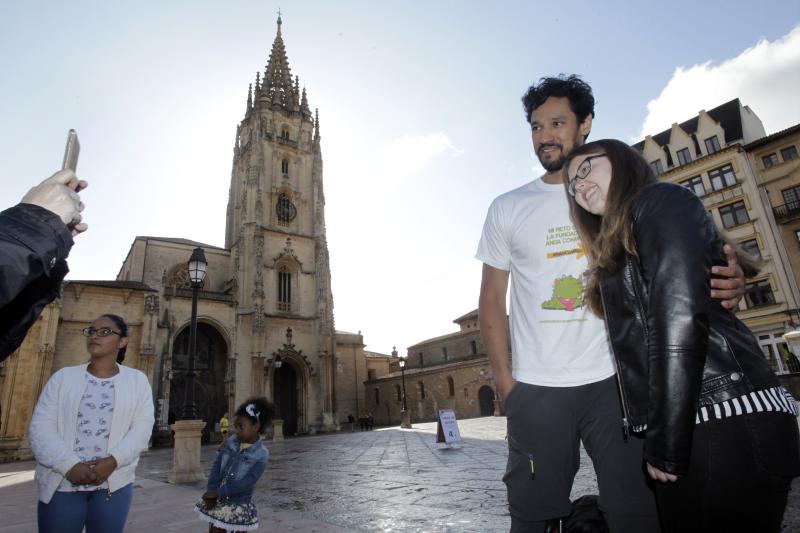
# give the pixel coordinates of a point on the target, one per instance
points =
(277, 84)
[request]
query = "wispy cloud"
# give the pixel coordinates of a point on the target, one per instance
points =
(766, 77)
(410, 154)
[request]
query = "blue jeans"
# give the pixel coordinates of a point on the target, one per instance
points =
(99, 511)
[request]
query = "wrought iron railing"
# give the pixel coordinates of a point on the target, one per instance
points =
(786, 212)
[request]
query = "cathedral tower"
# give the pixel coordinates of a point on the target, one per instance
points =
(275, 230)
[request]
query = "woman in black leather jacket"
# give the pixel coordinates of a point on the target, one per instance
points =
(721, 438)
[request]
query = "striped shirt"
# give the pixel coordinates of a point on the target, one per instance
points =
(775, 399)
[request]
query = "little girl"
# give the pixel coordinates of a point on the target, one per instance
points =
(239, 464)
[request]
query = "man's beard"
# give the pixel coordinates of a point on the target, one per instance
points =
(556, 164)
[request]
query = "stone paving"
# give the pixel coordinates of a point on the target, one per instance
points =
(388, 480)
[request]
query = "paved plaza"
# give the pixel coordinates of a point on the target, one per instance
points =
(384, 480)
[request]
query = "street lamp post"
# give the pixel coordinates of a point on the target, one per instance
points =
(197, 273)
(405, 417)
(188, 431)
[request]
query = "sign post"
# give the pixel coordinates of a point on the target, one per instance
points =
(447, 428)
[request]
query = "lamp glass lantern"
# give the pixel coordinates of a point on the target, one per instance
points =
(197, 267)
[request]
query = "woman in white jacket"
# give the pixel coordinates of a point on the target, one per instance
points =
(90, 425)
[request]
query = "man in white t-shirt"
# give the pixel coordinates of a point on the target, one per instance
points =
(560, 389)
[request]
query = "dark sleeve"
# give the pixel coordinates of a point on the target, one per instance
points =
(673, 237)
(34, 244)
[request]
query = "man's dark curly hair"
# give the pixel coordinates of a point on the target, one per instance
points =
(579, 93)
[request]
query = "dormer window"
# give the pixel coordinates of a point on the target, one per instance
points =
(712, 144)
(684, 156)
(657, 167)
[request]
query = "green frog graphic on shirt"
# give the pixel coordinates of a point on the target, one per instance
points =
(567, 294)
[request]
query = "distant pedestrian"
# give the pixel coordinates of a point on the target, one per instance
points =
(370, 422)
(223, 426)
(90, 425)
(227, 503)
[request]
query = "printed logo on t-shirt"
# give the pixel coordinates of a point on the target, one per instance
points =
(567, 292)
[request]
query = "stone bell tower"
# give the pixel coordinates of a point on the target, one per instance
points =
(275, 228)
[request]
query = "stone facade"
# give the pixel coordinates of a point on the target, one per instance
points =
(776, 166)
(451, 371)
(265, 308)
(708, 155)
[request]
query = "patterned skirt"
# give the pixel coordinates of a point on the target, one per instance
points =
(229, 516)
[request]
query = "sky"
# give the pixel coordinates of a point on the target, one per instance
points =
(420, 115)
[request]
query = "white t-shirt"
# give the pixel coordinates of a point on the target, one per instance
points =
(555, 340)
(94, 423)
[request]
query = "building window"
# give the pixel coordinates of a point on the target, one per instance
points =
(733, 214)
(759, 293)
(399, 393)
(770, 160)
(421, 360)
(684, 156)
(285, 133)
(377, 396)
(473, 347)
(285, 167)
(657, 167)
(780, 358)
(712, 144)
(722, 177)
(444, 352)
(421, 390)
(466, 392)
(451, 386)
(789, 153)
(791, 197)
(370, 374)
(751, 247)
(695, 185)
(284, 289)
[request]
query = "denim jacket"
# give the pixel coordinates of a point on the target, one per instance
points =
(234, 474)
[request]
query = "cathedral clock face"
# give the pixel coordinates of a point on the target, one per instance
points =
(285, 209)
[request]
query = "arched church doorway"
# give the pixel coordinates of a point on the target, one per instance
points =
(486, 400)
(210, 363)
(285, 386)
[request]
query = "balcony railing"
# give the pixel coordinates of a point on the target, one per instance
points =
(786, 212)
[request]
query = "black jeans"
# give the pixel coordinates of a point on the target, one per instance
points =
(740, 472)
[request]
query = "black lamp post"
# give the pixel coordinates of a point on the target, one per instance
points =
(401, 360)
(197, 273)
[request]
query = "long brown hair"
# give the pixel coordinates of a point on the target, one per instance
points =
(608, 238)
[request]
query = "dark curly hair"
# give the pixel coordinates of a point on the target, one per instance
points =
(572, 87)
(258, 410)
(123, 332)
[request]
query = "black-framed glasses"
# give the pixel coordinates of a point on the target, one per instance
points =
(583, 170)
(102, 332)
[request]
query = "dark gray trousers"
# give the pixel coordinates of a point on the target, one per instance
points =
(545, 428)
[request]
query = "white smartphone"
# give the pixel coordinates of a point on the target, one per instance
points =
(71, 152)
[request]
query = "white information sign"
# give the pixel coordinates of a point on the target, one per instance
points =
(447, 428)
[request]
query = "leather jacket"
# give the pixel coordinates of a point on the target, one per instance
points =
(675, 347)
(34, 244)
